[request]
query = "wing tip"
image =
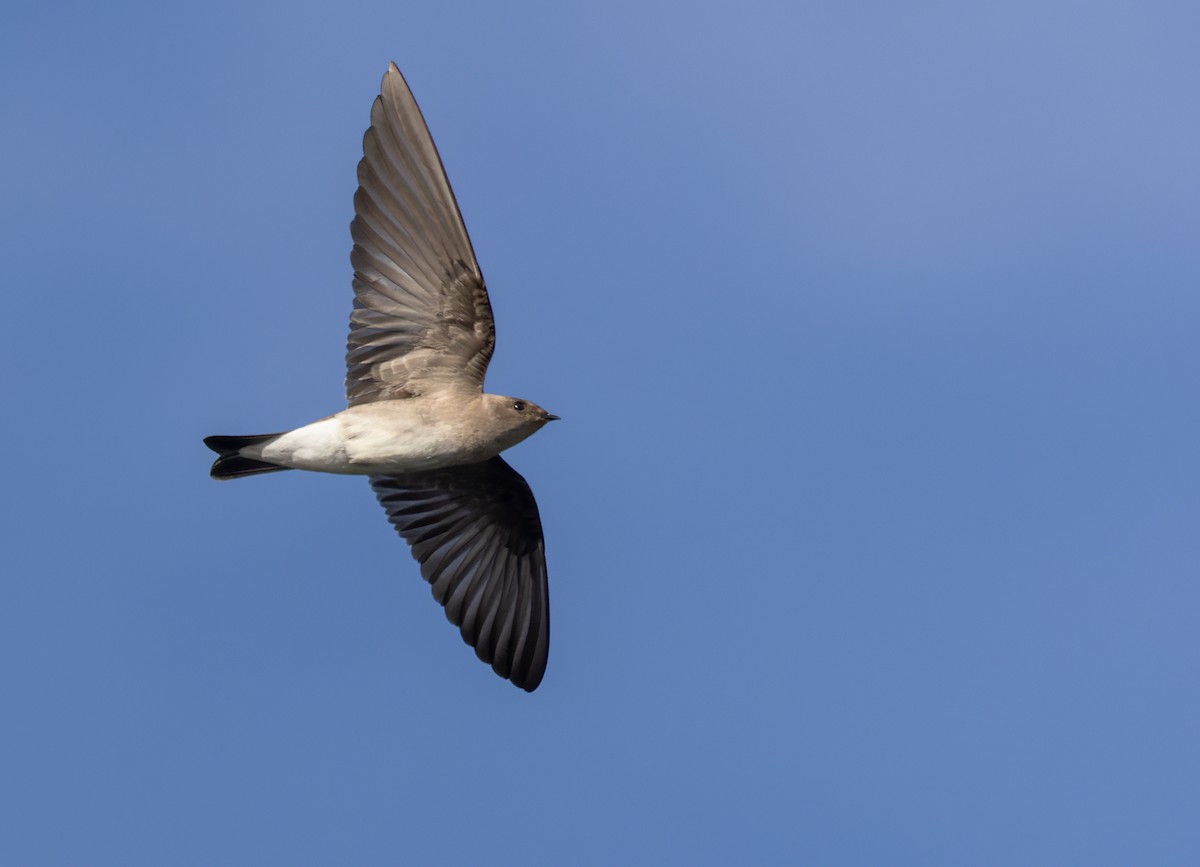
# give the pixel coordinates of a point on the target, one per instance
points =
(530, 680)
(392, 71)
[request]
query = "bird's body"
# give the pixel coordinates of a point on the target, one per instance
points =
(418, 422)
(395, 436)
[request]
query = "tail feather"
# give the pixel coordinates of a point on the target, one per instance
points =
(232, 465)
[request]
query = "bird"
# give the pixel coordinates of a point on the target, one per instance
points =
(418, 422)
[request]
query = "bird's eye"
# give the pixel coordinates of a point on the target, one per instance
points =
(519, 406)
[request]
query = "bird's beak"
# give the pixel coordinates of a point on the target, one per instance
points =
(552, 417)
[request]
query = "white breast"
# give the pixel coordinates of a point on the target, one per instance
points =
(387, 437)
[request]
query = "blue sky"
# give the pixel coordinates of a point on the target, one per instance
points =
(872, 520)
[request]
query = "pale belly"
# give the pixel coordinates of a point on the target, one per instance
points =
(371, 444)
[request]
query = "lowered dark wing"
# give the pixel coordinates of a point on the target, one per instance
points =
(421, 319)
(475, 531)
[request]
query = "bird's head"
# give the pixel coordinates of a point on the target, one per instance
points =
(513, 418)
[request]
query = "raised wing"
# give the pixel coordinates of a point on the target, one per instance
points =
(475, 531)
(421, 319)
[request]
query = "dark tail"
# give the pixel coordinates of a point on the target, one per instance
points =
(230, 464)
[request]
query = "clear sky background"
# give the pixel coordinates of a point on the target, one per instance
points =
(871, 522)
